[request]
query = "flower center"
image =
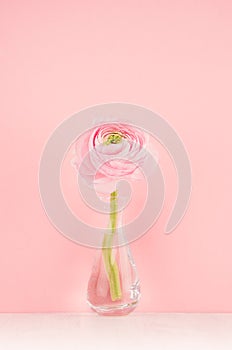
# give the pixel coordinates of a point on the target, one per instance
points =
(114, 137)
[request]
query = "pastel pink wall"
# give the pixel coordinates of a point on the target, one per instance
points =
(173, 57)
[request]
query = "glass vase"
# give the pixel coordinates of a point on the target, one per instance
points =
(114, 286)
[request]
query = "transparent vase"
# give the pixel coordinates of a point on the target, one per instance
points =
(114, 286)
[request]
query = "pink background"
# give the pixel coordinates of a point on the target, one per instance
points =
(173, 57)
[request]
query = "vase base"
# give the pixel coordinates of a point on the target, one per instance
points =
(117, 310)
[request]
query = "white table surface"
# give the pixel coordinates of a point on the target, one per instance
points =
(136, 331)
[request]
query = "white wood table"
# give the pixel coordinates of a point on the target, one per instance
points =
(136, 331)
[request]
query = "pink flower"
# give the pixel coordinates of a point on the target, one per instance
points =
(110, 152)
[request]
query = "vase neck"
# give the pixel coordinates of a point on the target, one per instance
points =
(119, 219)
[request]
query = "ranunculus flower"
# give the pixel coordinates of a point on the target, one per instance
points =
(110, 152)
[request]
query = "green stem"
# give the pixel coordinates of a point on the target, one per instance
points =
(110, 265)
